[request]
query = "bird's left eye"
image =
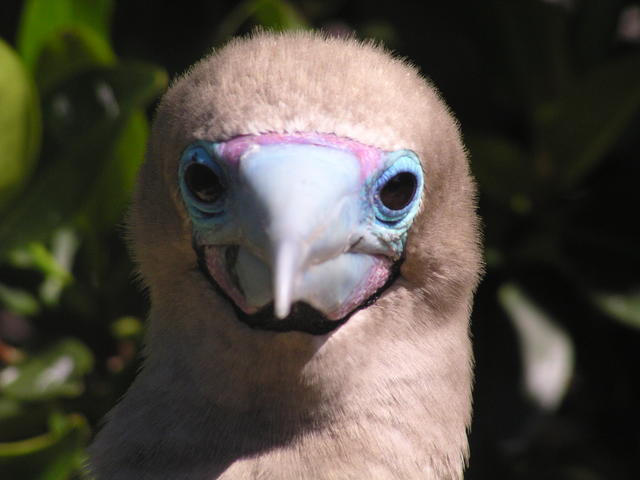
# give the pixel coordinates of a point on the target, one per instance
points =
(396, 190)
(399, 191)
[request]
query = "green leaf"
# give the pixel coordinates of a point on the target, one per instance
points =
(64, 246)
(382, 30)
(622, 307)
(127, 328)
(84, 120)
(278, 14)
(68, 52)
(55, 263)
(51, 456)
(9, 408)
(584, 124)
(18, 301)
(20, 420)
(41, 19)
(55, 372)
(113, 191)
(274, 14)
(20, 124)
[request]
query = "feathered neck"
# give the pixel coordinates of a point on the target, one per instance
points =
(293, 406)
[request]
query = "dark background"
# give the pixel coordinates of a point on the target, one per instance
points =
(548, 97)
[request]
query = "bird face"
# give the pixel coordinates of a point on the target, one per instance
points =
(299, 231)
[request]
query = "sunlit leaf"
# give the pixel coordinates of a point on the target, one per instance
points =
(624, 308)
(84, 119)
(54, 372)
(41, 19)
(547, 349)
(55, 263)
(64, 245)
(20, 127)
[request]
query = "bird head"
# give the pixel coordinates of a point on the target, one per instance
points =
(304, 176)
(308, 220)
(305, 223)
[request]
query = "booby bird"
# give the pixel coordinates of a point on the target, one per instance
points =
(305, 224)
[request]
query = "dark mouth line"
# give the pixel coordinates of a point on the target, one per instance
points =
(303, 317)
(355, 244)
(230, 258)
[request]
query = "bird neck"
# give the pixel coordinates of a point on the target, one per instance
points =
(209, 379)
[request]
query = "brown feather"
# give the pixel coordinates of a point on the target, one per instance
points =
(388, 394)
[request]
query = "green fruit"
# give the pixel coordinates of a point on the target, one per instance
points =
(20, 124)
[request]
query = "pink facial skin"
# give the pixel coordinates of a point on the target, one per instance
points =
(374, 281)
(215, 257)
(370, 158)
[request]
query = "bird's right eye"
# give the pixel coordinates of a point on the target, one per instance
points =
(203, 182)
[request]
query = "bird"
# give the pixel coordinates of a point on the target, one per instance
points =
(305, 226)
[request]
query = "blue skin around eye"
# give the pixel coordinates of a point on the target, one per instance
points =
(390, 226)
(397, 162)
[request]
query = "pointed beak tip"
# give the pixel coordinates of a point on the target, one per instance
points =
(284, 278)
(282, 310)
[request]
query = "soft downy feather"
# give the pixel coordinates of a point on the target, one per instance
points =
(386, 395)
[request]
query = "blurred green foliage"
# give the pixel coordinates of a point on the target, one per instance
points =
(75, 135)
(549, 99)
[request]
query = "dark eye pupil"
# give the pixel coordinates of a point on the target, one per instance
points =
(204, 183)
(399, 191)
